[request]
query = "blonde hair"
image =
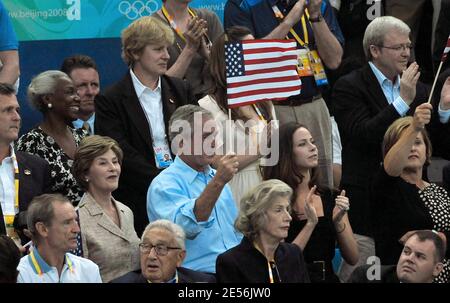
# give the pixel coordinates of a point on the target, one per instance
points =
(142, 32)
(254, 205)
(43, 84)
(395, 131)
(90, 148)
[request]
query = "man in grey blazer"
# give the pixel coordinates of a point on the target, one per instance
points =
(162, 253)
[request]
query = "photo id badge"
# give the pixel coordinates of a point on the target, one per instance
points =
(303, 66)
(163, 157)
(318, 69)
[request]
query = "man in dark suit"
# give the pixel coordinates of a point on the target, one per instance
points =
(162, 253)
(366, 102)
(420, 262)
(22, 176)
(136, 111)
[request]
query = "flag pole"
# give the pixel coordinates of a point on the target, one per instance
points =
(230, 135)
(434, 83)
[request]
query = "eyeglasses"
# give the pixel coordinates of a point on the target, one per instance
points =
(160, 249)
(397, 48)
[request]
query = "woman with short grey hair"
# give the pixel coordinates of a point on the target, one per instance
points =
(55, 96)
(263, 256)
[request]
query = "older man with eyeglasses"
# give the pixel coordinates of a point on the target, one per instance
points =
(366, 102)
(162, 252)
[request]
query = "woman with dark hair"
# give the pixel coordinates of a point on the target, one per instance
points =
(263, 256)
(319, 215)
(250, 120)
(401, 200)
(55, 96)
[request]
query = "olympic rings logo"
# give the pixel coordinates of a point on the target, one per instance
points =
(138, 8)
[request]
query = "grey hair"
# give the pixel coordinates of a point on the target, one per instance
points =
(185, 113)
(42, 84)
(41, 209)
(377, 29)
(171, 227)
(254, 205)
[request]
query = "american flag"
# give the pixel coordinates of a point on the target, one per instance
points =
(446, 50)
(259, 70)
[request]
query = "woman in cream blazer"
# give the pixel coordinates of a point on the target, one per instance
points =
(107, 229)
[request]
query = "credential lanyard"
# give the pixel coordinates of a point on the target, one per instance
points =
(279, 15)
(172, 23)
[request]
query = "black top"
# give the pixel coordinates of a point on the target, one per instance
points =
(398, 207)
(244, 263)
(319, 251)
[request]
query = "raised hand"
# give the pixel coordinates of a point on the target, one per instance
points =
(196, 28)
(341, 208)
(422, 116)
(445, 95)
(227, 167)
(408, 82)
(310, 210)
(314, 7)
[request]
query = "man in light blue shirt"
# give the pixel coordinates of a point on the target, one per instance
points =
(52, 222)
(192, 194)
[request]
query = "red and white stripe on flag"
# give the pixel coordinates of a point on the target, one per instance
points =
(446, 50)
(258, 70)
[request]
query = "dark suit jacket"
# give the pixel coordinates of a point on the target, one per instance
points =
(388, 274)
(244, 263)
(34, 180)
(363, 116)
(446, 177)
(120, 116)
(185, 275)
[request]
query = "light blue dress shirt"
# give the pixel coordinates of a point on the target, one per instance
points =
(75, 270)
(79, 124)
(391, 90)
(172, 196)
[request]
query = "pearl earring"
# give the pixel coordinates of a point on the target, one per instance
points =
(49, 105)
(87, 180)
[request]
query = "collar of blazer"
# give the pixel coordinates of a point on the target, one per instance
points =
(136, 113)
(102, 219)
(373, 87)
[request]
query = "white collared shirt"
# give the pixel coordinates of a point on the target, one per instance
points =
(75, 270)
(151, 103)
(7, 189)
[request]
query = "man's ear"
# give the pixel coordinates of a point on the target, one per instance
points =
(41, 229)
(374, 51)
(437, 269)
(180, 257)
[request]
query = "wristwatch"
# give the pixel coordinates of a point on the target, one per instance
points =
(318, 19)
